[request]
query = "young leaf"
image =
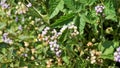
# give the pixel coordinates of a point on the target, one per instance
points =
(62, 19)
(107, 49)
(2, 25)
(65, 59)
(55, 7)
(82, 24)
(110, 12)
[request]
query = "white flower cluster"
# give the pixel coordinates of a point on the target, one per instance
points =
(55, 47)
(3, 4)
(21, 8)
(117, 55)
(51, 37)
(6, 39)
(75, 32)
(94, 55)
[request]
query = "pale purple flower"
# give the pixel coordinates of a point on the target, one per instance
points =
(118, 49)
(3, 4)
(25, 55)
(99, 9)
(16, 19)
(58, 53)
(52, 49)
(51, 46)
(20, 27)
(55, 48)
(29, 5)
(117, 55)
(6, 39)
(23, 19)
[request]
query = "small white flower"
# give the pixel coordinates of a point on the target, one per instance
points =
(47, 28)
(71, 27)
(52, 38)
(63, 28)
(51, 43)
(54, 45)
(52, 49)
(115, 54)
(51, 46)
(44, 33)
(29, 5)
(93, 61)
(59, 34)
(75, 27)
(60, 51)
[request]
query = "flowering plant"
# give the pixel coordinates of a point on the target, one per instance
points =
(59, 33)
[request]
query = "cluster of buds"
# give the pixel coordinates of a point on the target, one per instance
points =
(6, 39)
(94, 56)
(3, 4)
(89, 44)
(74, 28)
(21, 8)
(49, 63)
(59, 61)
(99, 9)
(55, 47)
(117, 55)
(39, 20)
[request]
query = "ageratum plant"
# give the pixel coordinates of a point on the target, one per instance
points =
(59, 33)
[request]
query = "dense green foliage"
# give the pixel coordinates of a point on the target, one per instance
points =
(59, 33)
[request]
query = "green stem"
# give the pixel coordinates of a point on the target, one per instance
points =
(101, 23)
(41, 16)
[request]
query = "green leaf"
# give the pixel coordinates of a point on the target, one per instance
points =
(55, 7)
(62, 20)
(3, 66)
(107, 49)
(64, 36)
(70, 4)
(2, 25)
(82, 24)
(65, 59)
(110, 12)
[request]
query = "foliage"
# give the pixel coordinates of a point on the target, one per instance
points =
(59, 33)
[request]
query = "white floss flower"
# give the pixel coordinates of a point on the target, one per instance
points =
(51, 46)
(44, 33)
(63, 28)
(29, 4)
(52, 49)
(93, 61)
(75, 28)
(51, 43)
(99, 9)
(47, 28)
(71, 27)
(59, 34)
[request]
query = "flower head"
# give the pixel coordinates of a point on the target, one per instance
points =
(29, 5)
(99, 9)
(6, 39)
(3, 4)
(117, 55)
